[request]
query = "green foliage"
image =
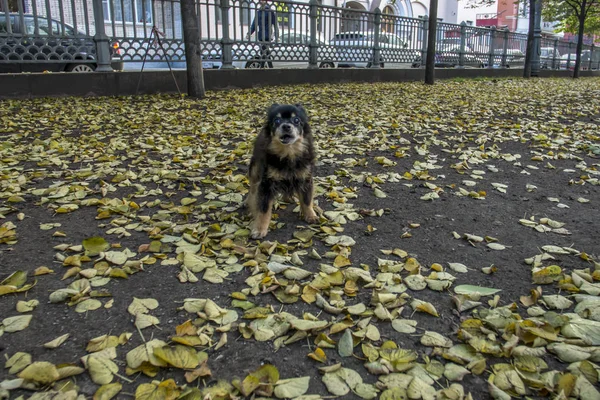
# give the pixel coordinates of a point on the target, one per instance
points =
(567, 14)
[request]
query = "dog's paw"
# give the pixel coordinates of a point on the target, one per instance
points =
(312, 219)
(258, 233)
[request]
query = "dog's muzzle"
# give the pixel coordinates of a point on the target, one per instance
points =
(288, 134)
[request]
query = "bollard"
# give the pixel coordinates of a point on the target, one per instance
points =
(463, 38)
(226, 42)
(376, 63)
(313, 45)
(554, 66)
(491, 53)
(101, 40)
(424, 33)
(504, 47)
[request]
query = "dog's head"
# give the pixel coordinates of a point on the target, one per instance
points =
(287, 123)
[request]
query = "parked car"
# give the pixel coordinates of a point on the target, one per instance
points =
(585, 60)
(73, 51)
(515, 58)
(567, 61)
(549, 58)
(450, 58)
(355, 49)
(449, 44)
(290, 44)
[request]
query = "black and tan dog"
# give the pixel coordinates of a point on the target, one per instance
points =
(282, 163)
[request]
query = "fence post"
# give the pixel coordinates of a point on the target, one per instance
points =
(425, 32)
(313, 45)
(504, 46)
(226, 42)
(591, 55)
(554, 66)
(463, 39)
(491, 54)
(101, 40)
(376, 49)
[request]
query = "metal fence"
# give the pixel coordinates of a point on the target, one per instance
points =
(310, 34)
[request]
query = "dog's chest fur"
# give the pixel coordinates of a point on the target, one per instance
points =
(288, 170)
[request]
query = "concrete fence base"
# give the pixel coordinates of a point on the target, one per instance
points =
(125, 83)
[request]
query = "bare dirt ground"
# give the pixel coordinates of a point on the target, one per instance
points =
(114, 211)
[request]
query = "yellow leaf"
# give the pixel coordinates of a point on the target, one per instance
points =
(101, 369)
(42, 271)
(166, 390)
(56, 342)
(40, 371)
(318, 355)
(178, 356)
(107, 392)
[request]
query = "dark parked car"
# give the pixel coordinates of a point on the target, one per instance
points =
(54, 47)
(549, 58)
(450, 58)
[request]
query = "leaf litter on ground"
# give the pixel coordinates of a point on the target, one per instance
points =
(166, 177)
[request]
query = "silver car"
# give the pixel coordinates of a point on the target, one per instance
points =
(291, 50)
(355, 49)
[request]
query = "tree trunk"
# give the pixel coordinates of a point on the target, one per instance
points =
(582, 15)
(530, 49)
(193, 55)
(431, 36)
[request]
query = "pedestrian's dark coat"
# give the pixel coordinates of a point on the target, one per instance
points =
(264, 20)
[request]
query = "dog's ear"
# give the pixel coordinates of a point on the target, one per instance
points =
(302, 111)
(272, 108)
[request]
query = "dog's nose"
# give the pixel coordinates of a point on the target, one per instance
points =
(286, 128)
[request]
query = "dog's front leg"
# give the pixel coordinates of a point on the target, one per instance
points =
(306, 202)
(260, 224)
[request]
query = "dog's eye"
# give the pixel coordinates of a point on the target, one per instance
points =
(296, 121)
(277, 121)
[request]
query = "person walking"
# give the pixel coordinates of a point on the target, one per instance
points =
(266, 28)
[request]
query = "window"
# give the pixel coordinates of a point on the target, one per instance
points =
(125, 10)
(4, 25)
(43, 29)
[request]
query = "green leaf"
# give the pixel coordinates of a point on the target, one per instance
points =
(15, 324)
(16, 279)
(95, 245)
(291, 388)
(88, 305)
(346, 344)
(475, 290)
(404, 325)
(141, 306)
(264, 377)
(17, 362)
(27, 306)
